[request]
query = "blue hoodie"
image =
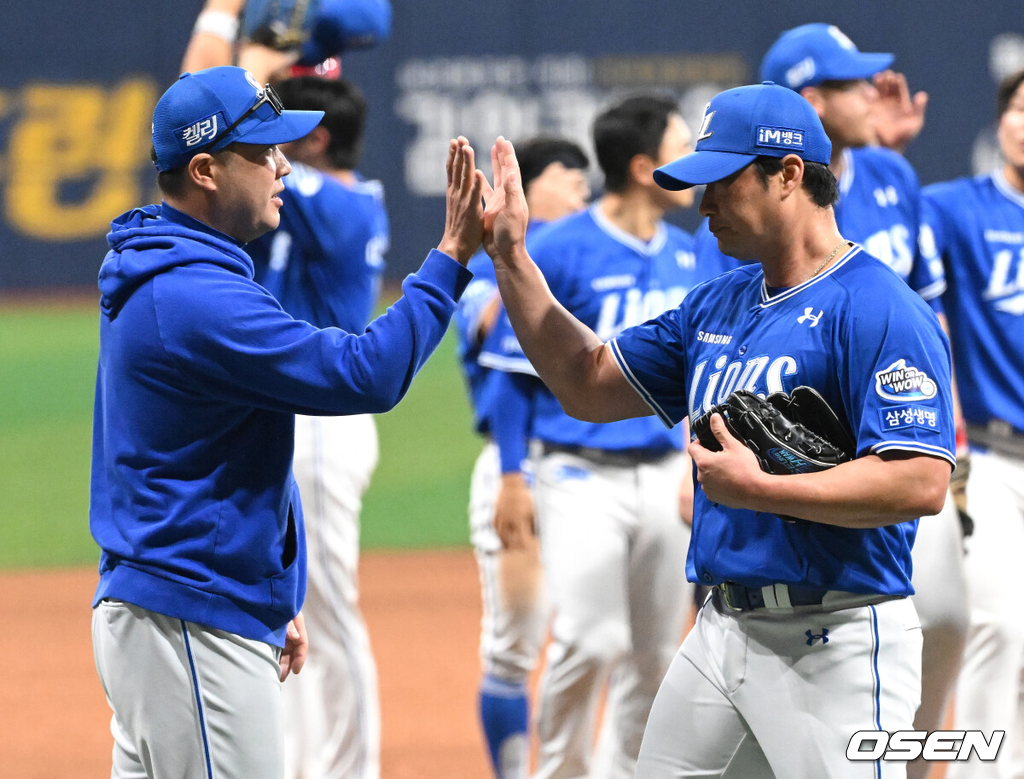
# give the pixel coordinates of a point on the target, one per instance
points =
(200, 373)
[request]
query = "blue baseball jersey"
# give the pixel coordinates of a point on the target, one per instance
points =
(879, 207)
(978, 226)
(609, 280)
(860, 337)
(324, 262)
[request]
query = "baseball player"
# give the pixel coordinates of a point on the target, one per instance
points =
(979, 231)
(203, 555)
(607, 495)
(879, 208)
(323, 265)
(501, 509)
(809, 635)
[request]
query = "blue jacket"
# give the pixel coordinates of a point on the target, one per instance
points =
(200, 373)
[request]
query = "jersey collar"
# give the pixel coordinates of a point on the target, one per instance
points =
(770, 300)
(1006, 189)
(649, 249)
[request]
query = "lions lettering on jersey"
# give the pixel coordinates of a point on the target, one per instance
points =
(629, 307)
(1006, 284)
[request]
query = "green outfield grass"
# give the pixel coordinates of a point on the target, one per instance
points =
(417, 499)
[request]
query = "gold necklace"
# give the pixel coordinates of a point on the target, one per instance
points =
(828, 259)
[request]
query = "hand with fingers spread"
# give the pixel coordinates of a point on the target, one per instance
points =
(506, 216)
(463, 226)
(296, 645)
(732, 476)
(899, 118)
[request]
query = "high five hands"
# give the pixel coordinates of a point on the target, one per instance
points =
(501, 226)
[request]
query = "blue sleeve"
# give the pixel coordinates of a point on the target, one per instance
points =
(509, 402)
(478, 294)
(653, 360)
(234, 338)
(501, 350)
(897, 380)
(927, 277)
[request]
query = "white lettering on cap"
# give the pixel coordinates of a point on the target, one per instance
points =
(801, 73)
(704, 132)
(841, 38)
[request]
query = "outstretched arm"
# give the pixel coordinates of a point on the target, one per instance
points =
(213, 37)
(568, 356)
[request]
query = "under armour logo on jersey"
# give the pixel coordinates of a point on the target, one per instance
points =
(704, 132)
(812, 636)
(807, 316)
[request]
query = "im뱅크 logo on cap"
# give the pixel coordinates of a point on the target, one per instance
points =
(780, 137)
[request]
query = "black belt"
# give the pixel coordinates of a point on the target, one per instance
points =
(999, 436)
(736, 597)
(621, 457)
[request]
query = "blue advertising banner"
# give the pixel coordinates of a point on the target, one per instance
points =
(79, 82)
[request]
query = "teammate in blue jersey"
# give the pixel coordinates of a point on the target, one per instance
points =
(979, 231)
(323, 265)
(203, 556)
(501, 508)
(879, 207)
(809, 635)
(607, 496)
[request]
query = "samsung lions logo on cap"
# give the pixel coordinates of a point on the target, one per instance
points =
(902, 382)
(780, 137)
(255, 84)
(704, 132)
(203, 130)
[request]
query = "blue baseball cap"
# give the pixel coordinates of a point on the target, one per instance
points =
(812, 53)
(763, 120)
(213, 108)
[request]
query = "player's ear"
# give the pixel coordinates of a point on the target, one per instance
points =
(318, 140)
(792, 174)
(200, 171)
(815, 97)
(641, 169)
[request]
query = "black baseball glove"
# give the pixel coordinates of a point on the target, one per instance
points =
(796, 433)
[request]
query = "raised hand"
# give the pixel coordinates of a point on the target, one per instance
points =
(463, 225)
(506, 215)
(899, 117)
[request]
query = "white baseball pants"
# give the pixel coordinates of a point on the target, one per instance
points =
(332, 722)
(614, 552)
(189, 702)
(988, 694)
(780, 693)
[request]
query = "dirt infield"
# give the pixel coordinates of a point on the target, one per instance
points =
(423, 611)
